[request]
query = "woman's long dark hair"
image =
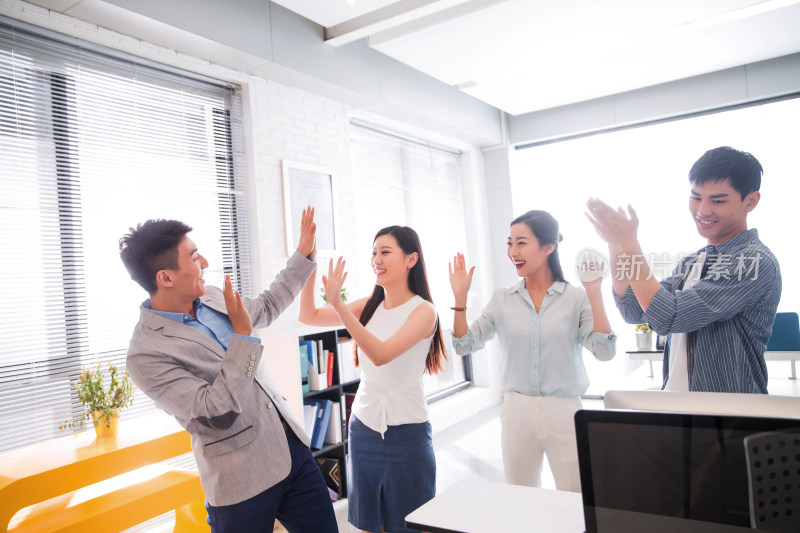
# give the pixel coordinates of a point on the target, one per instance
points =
(545, 227)
(408, 240)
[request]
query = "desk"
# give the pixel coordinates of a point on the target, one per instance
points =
(784, 356)
(658, 355)
(32, 474)
(479, 506)
(646, 355)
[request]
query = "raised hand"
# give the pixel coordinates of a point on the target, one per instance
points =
(308, 233)
(333, 282)
(616, 227)
(460, 279)
(240, 319)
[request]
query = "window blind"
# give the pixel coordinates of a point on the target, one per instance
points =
(90, 145)
(407, 181)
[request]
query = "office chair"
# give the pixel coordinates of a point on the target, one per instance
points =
(773, 469)
(784, 343)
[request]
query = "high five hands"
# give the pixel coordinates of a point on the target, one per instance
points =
(307, 244)
(334, 281)
(240, 319)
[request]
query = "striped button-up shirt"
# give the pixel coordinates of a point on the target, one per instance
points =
(727, 315)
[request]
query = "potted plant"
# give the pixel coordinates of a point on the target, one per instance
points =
(102, 405)
(644, 337)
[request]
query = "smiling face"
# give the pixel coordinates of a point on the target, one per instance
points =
(525, 252)
(719, 211)
(187, 280)
(390, 263)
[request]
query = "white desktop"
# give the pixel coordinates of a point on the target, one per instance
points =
(712, 403)
(480, 506)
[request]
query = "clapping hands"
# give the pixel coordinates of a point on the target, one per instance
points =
(616, 227)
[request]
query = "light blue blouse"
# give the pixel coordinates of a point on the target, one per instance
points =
(540, 352)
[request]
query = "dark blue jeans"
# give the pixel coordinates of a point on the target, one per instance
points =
(301, 502)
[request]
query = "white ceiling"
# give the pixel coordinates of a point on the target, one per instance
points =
(526, 55)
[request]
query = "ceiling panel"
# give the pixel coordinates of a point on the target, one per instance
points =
(521, 56)
(332, 12)
(525, 55)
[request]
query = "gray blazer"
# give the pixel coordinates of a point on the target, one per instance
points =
(225, 399)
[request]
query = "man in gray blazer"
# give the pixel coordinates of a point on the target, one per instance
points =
(192, 353)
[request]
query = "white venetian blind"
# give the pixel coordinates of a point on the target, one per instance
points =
(90, 145)
(406, 181)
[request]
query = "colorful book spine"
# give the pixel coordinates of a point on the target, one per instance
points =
(330, 367)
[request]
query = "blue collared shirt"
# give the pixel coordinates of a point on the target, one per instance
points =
(540, 352)
(727, 315)
(211, 322)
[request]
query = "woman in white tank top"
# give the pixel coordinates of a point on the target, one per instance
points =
(391, 469)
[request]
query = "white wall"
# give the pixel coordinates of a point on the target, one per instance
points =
(285, 122)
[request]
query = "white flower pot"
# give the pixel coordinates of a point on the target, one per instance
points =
(644, 341)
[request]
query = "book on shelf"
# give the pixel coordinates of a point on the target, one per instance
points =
(311, 351)
(349, 398)
(331, 468)
(321, 419)
(329, 366)
(332, 493)
(303, 351)
(322, 362)
(317, 365)
(334, 433)
(347, 367)
(309, 417)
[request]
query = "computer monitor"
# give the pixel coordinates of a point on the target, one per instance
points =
(715, 403)
(658, 472)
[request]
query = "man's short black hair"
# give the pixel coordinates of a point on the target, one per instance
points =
(726, 163)
(150, 247)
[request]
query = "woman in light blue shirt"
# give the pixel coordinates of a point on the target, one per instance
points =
(542, 323)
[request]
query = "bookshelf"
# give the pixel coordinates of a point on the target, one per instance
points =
(344, 384)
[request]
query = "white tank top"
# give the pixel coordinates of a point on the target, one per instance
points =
(392, 394)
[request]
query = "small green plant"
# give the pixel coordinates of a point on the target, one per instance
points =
(643, 328)
(342, 293)
(96, 398)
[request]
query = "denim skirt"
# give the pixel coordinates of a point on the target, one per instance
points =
(388, 478)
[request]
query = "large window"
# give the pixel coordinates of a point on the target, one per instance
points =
(647, 167)
(91, 145)
(410, 182)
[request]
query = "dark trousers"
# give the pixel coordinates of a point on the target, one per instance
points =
(301, 501)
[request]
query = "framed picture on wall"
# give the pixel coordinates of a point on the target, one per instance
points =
(304, 185)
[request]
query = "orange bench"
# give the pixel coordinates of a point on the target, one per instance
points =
(80, 483)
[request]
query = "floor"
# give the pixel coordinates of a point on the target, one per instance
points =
(468, 445)
(467, 429)
(471, 448)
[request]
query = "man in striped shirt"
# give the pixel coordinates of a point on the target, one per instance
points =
(718, 305)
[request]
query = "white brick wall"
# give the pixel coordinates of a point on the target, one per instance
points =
(289, 123)
(283, 122)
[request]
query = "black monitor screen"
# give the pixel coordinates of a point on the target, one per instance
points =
(653, 472)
